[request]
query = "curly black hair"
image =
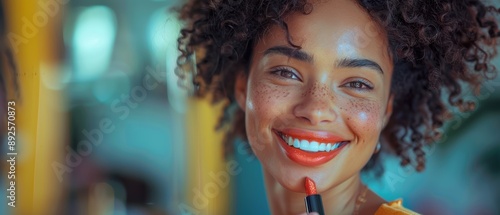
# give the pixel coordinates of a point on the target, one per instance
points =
(439, 49)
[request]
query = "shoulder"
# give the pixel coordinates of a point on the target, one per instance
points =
(394, 208)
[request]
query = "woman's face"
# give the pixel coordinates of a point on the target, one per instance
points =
(318, 111)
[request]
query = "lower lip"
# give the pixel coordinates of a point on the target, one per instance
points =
(308, 158)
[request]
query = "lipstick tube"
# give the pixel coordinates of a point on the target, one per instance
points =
(313, 200)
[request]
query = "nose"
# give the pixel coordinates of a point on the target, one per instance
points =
(316, 105)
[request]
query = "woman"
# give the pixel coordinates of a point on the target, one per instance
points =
(322, 86)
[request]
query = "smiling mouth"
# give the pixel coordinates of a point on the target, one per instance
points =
(311, 145)
(310, 148)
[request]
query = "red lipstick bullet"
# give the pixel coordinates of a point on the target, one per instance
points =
(313, 199)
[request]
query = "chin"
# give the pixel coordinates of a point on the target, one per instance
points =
(291, 175)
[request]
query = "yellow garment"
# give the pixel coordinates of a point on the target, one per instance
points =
(394, 208)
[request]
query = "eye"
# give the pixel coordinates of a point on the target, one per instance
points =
(284, 72)
(358, 84)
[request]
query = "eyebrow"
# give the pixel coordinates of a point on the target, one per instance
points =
(290, 52)
(355, 62)
(304, 56)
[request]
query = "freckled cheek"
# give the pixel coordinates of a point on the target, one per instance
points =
(365, 118)
(267, 102)
(264, 107)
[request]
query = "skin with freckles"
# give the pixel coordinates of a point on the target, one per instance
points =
(325, 86)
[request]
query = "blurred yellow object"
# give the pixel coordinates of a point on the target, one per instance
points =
(394, 208)
(208, 174)
(39, 116)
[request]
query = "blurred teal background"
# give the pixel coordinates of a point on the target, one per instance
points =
(116, 65)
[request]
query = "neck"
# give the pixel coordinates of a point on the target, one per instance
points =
(340, 199)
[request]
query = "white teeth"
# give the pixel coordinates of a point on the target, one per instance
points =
(304, 145)
(322, 147)
(296, 143)
(312, 146)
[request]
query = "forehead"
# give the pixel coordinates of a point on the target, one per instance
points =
(334, 29)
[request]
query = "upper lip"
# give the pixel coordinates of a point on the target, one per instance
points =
(318, 136)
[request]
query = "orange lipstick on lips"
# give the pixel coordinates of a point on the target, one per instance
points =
(314, 155)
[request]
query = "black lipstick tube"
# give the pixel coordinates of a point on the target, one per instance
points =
(314, 203)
